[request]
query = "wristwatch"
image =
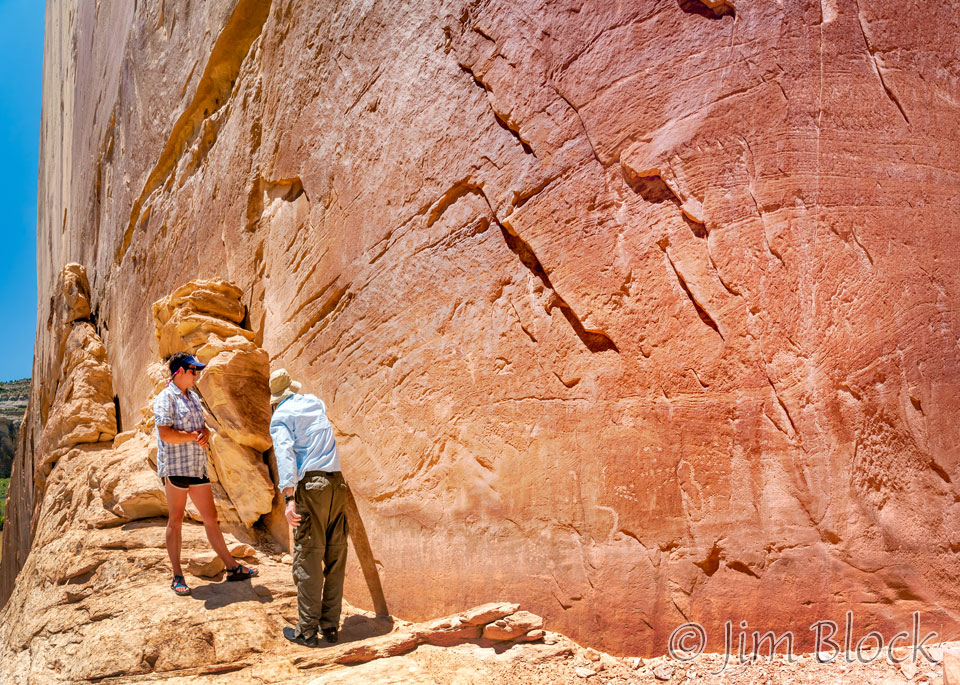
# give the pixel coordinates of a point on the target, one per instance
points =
(287, 498)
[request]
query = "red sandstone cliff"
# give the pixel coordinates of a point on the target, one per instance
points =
(631, 312)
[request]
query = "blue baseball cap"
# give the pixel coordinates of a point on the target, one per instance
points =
(188, 362)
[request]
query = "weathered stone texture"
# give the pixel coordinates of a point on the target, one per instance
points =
(632, 312)
(83, 410)
(76, 408)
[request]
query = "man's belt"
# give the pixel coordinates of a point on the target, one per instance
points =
(321, 473)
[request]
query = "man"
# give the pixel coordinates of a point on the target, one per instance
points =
(313, 493)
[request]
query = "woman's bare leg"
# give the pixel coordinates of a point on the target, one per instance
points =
(202, 496)
(176, 502)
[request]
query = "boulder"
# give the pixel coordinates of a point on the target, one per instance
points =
(216, 298)
(244, 477)
(205, 565)
(72, 299)
(234, 388)
(128, 484)
(517, 625)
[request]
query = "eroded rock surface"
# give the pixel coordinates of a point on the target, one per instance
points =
(83, 410)
(75, 408)
(640, 312)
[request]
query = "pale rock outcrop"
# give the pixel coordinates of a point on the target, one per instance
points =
(83, 410)
(93, 599)
(128, 484)
(516, 625)
(76, 410)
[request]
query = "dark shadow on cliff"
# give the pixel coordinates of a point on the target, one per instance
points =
(368, 564)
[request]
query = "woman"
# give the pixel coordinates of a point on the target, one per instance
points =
(182, 439)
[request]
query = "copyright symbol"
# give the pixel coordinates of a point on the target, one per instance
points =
(687, 642)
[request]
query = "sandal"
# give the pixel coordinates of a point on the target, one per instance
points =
(240, 572)
(179, 585)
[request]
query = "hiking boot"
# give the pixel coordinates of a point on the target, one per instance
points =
(330, 635)
(291, 635)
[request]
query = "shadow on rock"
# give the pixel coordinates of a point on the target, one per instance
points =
(362, 627)
(218, 595)
(139, 524)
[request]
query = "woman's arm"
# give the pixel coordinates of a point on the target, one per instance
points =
(173, 436)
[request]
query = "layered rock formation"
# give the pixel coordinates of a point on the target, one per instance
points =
(13, 404)
(73, 412)
(631, 312)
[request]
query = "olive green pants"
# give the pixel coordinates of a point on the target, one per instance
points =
(320, 550)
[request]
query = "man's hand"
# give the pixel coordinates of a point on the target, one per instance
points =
(203, 437)
(293, 518)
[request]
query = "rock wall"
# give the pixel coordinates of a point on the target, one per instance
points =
(630, 312)
(74, 410)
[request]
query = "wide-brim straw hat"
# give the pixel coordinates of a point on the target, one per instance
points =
(282, 386)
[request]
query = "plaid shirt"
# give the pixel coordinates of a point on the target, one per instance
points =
(183, 411)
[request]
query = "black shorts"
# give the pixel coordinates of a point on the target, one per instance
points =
(184, 482)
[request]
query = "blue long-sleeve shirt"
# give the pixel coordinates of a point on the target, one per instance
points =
(302, 439)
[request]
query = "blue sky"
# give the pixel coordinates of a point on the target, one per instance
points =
(21, 72)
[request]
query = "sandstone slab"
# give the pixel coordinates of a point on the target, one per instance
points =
(234, 389)
(518, 625)
(397, 670)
